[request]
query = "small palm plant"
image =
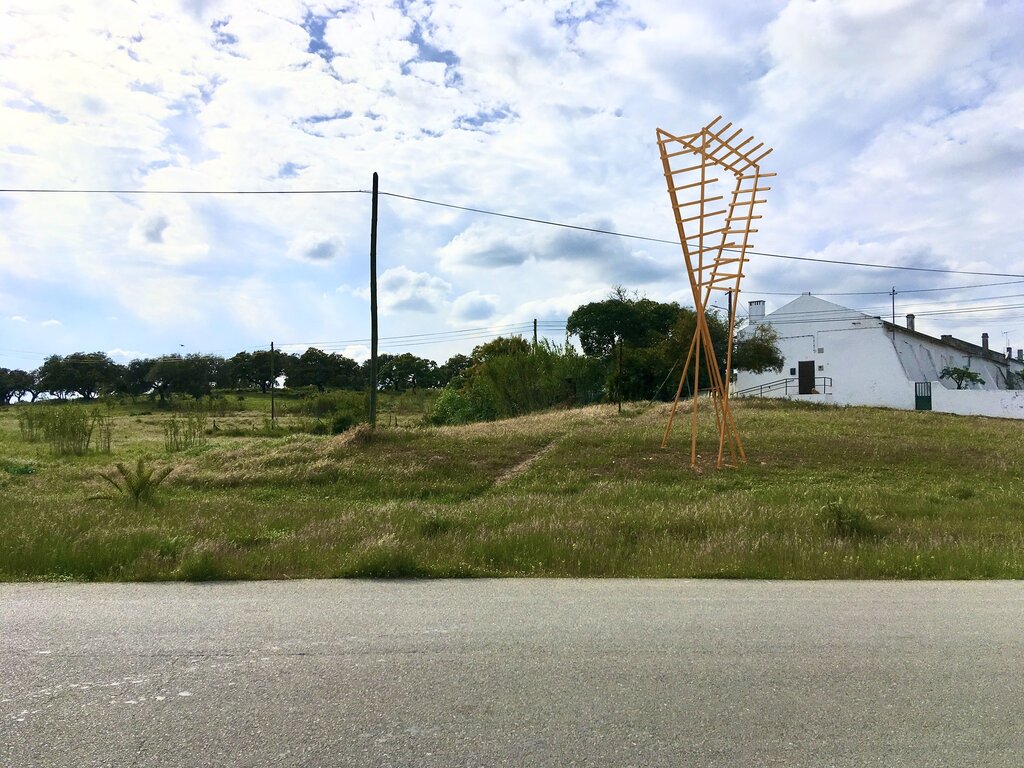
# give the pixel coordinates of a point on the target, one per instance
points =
(136, 486)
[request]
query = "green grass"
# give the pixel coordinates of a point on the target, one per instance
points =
(826, 493)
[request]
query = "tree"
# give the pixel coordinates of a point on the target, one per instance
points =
(316, 368)
(758, 351)
(86, 374)
(607, 328)
(193, 375)
(15, 383)
(637, 322)
(404, 371)
(500, 347)
(133, 379)
(962, 377)
(253, 369)
(455, 366)
(6, 386)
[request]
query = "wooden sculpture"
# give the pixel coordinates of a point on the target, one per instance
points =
(715, 250)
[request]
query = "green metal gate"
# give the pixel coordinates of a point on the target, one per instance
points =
(923, 395)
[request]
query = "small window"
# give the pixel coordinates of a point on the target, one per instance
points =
(792, 371)
(821, 350)
(821, 367)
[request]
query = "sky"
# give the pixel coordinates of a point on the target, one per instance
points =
(897, 128)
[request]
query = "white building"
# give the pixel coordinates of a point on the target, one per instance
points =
(838, 355)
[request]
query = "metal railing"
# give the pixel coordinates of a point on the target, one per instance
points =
(790, 386)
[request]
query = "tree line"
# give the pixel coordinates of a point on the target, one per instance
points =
(89, 375)
(630, 348)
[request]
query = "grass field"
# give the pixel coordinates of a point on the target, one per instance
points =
(826, 493)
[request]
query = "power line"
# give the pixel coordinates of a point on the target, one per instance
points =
(486, 212)
(884, 293)
(56, 191)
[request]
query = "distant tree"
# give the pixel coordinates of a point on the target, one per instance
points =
(398, 373)
(316, 368)
(7, 387)
(962, 377)
(253, 369)
(758, 351)
(193, 375)
(455, 366)
(15, 383)
(267, 368)
(86, 374)
(28, 384)
(133, 378)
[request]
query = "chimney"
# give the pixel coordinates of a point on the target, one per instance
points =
(756, 311)
(910, 322)
(984, 341)
(1020, 355)
(1009, 353)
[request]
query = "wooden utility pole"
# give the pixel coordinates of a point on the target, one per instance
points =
(894, 313)
(373, 304)
(272, 378)
(535, 333)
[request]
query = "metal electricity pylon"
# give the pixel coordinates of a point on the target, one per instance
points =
(697, 169)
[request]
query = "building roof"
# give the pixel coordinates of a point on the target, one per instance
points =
(810, 311)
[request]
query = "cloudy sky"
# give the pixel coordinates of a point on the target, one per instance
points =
(898, 128)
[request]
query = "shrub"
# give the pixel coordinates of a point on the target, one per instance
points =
(342, 422)
(68, 430)
(518, 381)
(136, 486)
(847, 522)
(184, 433)
(30, 423)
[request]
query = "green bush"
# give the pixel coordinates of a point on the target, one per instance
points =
(68, 430)
(520, 381)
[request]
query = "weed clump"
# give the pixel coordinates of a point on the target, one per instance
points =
(188, 432)
(846, 521)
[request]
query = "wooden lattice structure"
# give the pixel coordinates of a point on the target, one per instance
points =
(715, 239)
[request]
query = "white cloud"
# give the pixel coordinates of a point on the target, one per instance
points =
(400, 289)
(126, 355)
(50, 323)
(474, 306)
(357, 352)
(18, 319)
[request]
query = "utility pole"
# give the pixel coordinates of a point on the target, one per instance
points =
(618, 384)
(894, 313)
(373, 305)
(272, 378)
(535, 333)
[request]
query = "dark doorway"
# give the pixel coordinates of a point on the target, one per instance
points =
(805, 379)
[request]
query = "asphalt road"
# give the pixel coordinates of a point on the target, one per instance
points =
(519, 673)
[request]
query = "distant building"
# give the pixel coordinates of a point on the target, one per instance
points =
(839, 355)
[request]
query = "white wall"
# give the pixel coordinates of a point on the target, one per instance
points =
(1004, 404)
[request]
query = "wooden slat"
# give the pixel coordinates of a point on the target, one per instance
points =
(706, 215)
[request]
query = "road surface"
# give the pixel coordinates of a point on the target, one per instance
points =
(513, 672)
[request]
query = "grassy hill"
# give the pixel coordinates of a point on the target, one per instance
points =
(826, 493)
